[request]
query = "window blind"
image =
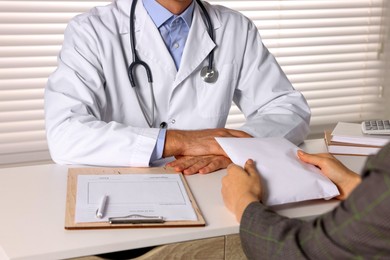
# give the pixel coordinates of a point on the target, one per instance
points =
(330, 50)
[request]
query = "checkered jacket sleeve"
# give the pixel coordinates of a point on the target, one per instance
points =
(358, 228)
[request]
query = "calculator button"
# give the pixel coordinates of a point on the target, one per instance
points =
(376, 127)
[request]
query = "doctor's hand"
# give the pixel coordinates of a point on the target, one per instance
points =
(345, 179)
(197, 142)
(202, 164)
(240, 187)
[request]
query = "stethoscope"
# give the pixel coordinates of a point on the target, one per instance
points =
(208, 73)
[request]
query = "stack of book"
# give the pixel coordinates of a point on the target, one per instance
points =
(347, 138)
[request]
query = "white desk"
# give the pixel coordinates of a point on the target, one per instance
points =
(32, 202)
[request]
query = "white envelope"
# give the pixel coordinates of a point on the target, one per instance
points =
(285, 178)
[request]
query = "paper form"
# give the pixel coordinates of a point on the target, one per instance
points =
(144, 194)
(285, 178)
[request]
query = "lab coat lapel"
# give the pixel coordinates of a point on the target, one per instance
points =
(149, 44)
(198, 46)
(152, 46)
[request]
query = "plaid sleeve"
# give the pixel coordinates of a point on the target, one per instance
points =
(359, 228)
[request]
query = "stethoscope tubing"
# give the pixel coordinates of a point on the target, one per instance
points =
(138, 62)
(210, 31)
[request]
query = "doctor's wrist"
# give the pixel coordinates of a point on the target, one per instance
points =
(174, 143)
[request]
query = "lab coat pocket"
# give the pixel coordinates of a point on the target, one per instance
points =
(214, 99)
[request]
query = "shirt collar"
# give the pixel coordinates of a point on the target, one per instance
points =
(160, 15)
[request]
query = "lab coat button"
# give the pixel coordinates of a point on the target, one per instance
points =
(163, 125)
(173, 121)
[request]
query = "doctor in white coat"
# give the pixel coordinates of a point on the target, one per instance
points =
(92, 113)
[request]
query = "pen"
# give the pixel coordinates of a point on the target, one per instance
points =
(102, 207)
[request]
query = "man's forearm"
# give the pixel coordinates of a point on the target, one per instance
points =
(197, 142)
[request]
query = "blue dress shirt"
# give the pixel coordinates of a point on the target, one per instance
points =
(174, 32)
(173, 28)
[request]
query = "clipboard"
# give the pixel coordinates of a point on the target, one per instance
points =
(71, 196)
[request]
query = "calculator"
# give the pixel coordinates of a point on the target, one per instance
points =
(376, 127)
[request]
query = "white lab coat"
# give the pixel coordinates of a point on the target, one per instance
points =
(92, 115)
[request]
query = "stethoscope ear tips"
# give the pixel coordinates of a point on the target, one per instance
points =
(209, 75)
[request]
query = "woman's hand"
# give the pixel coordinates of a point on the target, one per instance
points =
(345, 179)
(240, 187)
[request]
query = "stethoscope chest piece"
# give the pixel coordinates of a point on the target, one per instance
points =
(209, 75)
